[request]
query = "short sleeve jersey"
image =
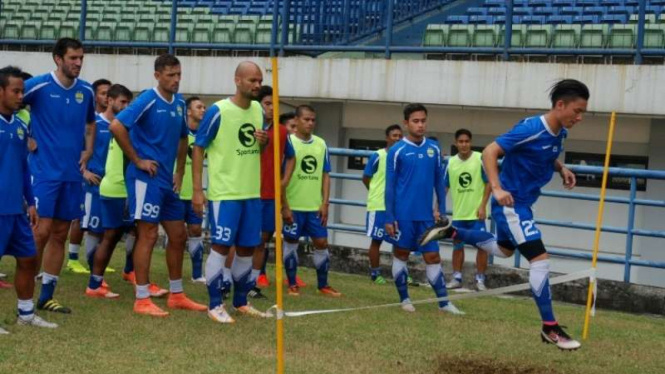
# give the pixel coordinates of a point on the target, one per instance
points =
(97, 163)
(58, 118)
(156, 125)
(530, 151)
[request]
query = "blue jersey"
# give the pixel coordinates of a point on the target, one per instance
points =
(531, 149)
(15, 186)
(97, 163)
(58, 119)
(413, 173)
(156, 129)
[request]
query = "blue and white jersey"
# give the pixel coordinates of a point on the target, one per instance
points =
(531, 149)
(15, 187)
(156, 128)
(97, 163)
(372, 165)
(58, 119)
(413, 172)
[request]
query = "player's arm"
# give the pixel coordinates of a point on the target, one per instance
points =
(121, 136)
(370, 169)
(29, 196)
(491, 156)
(206, 133)
(289, 167)
(325, 189)
(181, 158)
(90, 130)
(391, 181)
(440, 189)
(569, 180)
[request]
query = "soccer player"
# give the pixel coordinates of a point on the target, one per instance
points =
(305, 203)
(101, 88)
(469, 190)
(374, 178)
(268, 187)
(195, 111)
(158, 137)
(288, 120)
(414, 170)
(110, 227)
(530, 157)
(62, 122)
(16, 191)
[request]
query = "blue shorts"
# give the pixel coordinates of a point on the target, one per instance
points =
(191, 218)
(92, 216)
(267, 215)
(152, 203)
(16, 236)
(59, 200)
(305, 224)
(375, 223)
(115, 213)
(514, 224)
(408, 234)
(235, 222)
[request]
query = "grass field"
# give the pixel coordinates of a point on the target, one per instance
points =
(498, 335)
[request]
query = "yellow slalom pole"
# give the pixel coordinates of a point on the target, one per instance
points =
(278, 216)
(599, 221)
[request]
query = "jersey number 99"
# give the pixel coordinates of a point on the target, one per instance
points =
(151, 210)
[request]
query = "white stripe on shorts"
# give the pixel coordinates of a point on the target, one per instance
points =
(514, 224)
(371, 217)
(141, 188)
(88, 210)
(215, 211)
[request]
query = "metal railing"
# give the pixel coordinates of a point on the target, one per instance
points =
(629, 230)
(307, 26)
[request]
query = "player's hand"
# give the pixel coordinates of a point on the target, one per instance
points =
(83, 161)
(391, 229)
(323, 214)
(287, 215)
(33, 216)
(177, 182)
(437, 215)
(503, 197)
(261, 137)
(198, 201)
(32, 145)
(482, 213)
(149, 166)
(569, 180)
(92, 178)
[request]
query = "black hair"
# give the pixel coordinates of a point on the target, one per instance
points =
(63, 44)
(100, 82)
(118, 90)
(190, 100)
(568, 90)
(25, 75)
(392, 128)
(263, 92)
(461, 132)
(165, 60)
(302, 108)
(412, 108)
(7, 72)
(286, 117)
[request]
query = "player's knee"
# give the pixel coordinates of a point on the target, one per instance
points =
(194, 230)
(27, 264)
(320, 243)
(534, 249)
(432, 258)
(506, 246)
(148, 233)
(458, 246)
(59, 232)
(401, 254)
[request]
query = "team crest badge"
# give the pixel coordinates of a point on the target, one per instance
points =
(79, 97)
(430, 152)
(179, 112)
(20, 133)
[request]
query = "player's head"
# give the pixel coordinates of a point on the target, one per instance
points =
(569, 101)
(11, 89)
(305, 119)
(101, 89)
(68, 57)
(119, 98)
(265, 98)
(248, 79)
(25, 76)
(415, 120)
(288, 120)
(195, 110)
(463, 141)
(393, 135)
(168, 73)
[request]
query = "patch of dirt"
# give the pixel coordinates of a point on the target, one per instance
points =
(480, 365)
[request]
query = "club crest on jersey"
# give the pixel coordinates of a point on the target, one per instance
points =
(555, 149)
(179, 112)
(430, 152)
(79, 97)
(20, 133)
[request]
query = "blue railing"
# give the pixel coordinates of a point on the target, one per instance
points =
(629, 230)
(313, 26)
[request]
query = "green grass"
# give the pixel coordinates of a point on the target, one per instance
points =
(498, 335)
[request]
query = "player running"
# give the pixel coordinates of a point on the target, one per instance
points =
(530, 154)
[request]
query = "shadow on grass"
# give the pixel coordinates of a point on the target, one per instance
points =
(483, 365)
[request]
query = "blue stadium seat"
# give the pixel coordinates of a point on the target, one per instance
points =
(614, 18)
(457, 19)
(612, 2)
(620, 10)
(502, 19)
(494, 3)
(595, 11)
(533, 20)
(571, 11)
(563, 3)
(497, 11)
(539, 3)
(476, 11)
(654, 10)
(587, 2)
(545, 11)
(586, 19)
(481, 20)
(657, 2)
(526, 11)
(558, 20)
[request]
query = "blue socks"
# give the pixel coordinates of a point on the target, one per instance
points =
(241, 270)
(291, 261)
(322, 263)
(215, 278)
(540, 289)
(74, 251)
(400, 275)
(195, 248)
(375, 273)
(95, 281)
(48, 287)
(435, 278)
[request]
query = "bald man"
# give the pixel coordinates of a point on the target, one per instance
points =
(234, 189)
